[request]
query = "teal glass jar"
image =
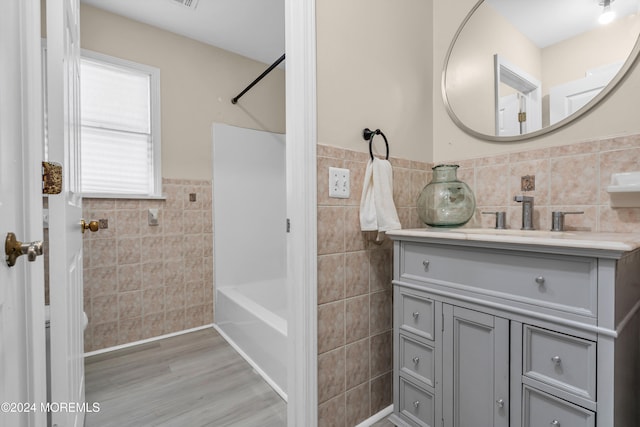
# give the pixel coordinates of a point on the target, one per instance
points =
(446, 201)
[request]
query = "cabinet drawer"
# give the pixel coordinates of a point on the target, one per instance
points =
(541, 409)
(562, 361)
(416, 315)
(416, 404)
(562, 283)
(417, 360)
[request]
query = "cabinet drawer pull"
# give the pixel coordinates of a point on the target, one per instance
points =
(556, 359)
(425, 264)
(416, 314)
(500, 403)
(555, 423)
(417, 403)
(416, 360)
(540, 280)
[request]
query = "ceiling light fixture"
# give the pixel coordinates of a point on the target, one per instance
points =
(607, 15)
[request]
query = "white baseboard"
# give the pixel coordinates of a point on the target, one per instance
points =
(376, 417)
(148, 340)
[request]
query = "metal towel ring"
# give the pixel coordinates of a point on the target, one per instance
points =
(369, 134)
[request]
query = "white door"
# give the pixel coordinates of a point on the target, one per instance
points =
(65, 209)
(22, 337)
(567, 98)
(508, 124)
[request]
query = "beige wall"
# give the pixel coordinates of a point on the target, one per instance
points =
(615, 117)
(197, 84)
(374, 70)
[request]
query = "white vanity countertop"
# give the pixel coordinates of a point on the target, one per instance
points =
(617, 242)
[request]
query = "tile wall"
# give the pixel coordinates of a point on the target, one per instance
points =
(354, 275)
(567, 178)
(143, 281)
(354, 292)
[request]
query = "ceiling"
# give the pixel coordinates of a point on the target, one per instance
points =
(545, 22)
(251, 28)
(255, 28)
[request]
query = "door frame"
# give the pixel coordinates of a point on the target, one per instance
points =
(301, 134)
(26, 26)
(527, 85)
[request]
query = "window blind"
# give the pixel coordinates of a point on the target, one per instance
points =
(116, 127)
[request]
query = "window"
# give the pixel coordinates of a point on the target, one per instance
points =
(120, 127)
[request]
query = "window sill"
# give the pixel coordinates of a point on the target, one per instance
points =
(123, 196)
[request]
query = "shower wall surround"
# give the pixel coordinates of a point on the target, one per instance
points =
(143, 281)
(354, 275)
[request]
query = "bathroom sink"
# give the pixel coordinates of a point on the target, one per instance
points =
(511, 232)
(568, 239)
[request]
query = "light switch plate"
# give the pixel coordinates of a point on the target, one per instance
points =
(339, 183)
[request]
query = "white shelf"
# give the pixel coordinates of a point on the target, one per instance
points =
(625, 190)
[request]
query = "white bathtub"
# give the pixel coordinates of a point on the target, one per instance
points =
(252, 317)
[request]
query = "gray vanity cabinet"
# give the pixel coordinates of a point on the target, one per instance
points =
(452, 364)
(495, 334)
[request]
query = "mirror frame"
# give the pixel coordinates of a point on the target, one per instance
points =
(629, 64)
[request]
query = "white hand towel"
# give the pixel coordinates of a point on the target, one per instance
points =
(377, 210)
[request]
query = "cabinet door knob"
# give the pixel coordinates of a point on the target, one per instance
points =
(415, 314)
(416, 360)
(556, 359)
(555, 423)
(425, 264)
(417, 403)
(500, 403)
(540, 280)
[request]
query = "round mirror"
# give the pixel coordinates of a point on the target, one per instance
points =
(521, 68)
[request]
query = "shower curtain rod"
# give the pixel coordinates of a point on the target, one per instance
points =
(260, 77)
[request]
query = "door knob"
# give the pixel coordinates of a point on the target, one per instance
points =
(91, 225)
(14, 248)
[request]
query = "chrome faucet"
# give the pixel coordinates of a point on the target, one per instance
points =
(527, 211)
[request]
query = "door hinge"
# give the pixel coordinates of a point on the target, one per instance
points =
(51, 178)
(522, 117)
(288, 225)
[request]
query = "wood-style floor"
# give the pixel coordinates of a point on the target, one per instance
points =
(191, 380)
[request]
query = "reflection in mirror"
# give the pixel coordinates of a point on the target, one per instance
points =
(517, 101)
(521, 68)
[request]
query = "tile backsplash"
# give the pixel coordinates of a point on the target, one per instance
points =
(567, 178)
(143, 281)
